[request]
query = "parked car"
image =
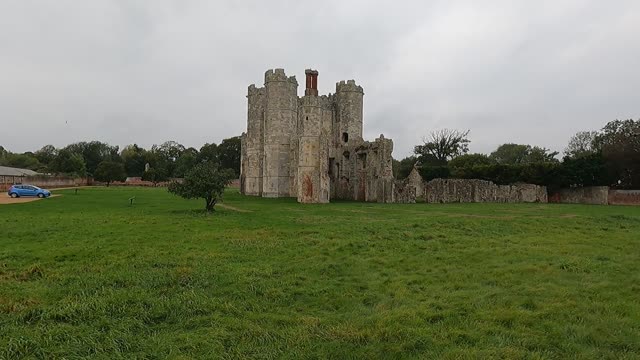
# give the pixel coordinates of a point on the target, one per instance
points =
(28, 190)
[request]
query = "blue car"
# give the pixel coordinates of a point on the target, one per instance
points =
(28, 190)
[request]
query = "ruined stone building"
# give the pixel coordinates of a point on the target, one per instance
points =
(311, 147)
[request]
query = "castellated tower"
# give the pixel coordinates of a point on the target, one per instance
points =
(311, 147)
(348, 112)
(313, 153)
(253, 143)
(280, 122)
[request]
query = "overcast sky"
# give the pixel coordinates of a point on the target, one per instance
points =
(127, 71)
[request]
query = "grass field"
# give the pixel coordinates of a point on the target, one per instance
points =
(88, 275)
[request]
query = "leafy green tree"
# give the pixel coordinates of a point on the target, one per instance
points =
(402, 168)
(541, 155)
(584, 169)
(470, 160)
(165, 156)
(171, 150)
(155, 175)
(516, 154)
(93, 153)
(109, 171)
(619, 142)
(583, 143)
(429, 173)
(208, 153)
(134, 159)
(187, 160)
(68, 162)
(46, 155)
(510, 154)
(24, 161)
(205, 181)
(442, 146)
(229, 154)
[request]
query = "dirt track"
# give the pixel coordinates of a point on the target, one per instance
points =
(6, 199)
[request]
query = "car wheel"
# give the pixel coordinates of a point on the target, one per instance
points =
(41, 195)
(13, 195)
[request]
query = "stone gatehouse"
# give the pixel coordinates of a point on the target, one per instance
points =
(311, 147)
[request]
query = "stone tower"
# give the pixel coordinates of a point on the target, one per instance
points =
(280, 121)
(348, 112)
(253, 143)
(313, 180)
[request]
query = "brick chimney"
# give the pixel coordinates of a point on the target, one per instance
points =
(312, 82)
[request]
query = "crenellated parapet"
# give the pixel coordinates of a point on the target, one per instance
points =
(384, 143)
(348, 86)
(323, 101)
(327, 102)
(310, 101)
(278, 75)
(253, 90)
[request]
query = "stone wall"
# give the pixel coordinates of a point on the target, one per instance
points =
(624, 197)
(472, 190)
(362, 170)
(404, 192)
(415, 180)
(44, 181)
(595, 195)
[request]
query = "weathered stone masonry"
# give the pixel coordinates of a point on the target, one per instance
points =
(312, 147)
(473, 190)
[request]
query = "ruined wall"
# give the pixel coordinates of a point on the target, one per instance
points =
(624, 197)
(404, 192)
(362, 171)
(595, 195)
(415, 180)
(472, 190)
(380, 171)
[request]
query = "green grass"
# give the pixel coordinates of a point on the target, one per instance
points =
(88, 275)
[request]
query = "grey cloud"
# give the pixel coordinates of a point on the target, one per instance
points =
(145, 72)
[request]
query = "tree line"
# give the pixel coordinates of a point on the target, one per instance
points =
(105, 162)
(607, 157)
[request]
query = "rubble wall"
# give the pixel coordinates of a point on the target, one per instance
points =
(415, 180)
(472, 190)
(404, 192)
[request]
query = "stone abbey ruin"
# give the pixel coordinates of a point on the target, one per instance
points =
(311, 147)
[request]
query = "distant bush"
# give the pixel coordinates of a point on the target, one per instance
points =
(548, 174)
(434, 172)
